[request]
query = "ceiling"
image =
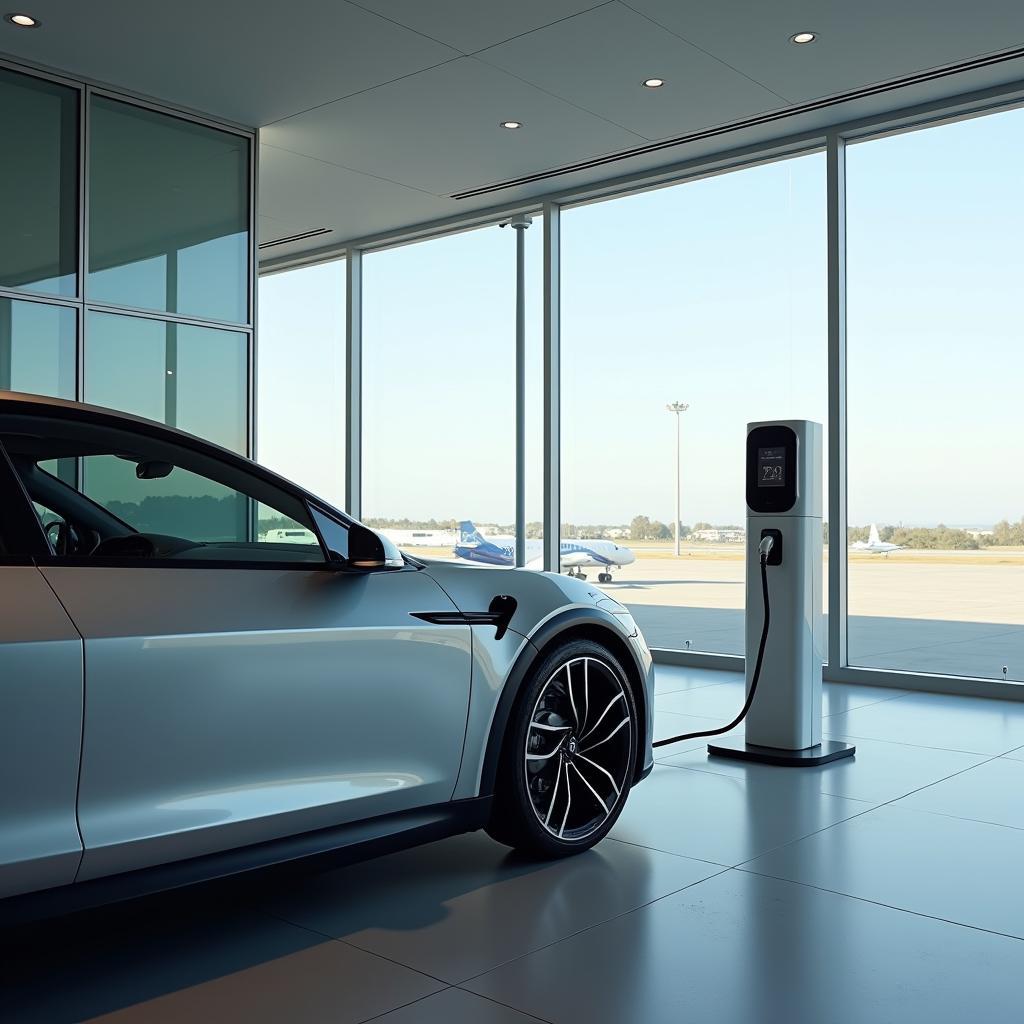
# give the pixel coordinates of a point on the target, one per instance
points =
(374, 113)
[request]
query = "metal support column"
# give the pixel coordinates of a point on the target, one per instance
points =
(836, 202)
(552, 389)
(6, 344)
(354, 383)
(519, 224)
(171, 341)
(678, 408)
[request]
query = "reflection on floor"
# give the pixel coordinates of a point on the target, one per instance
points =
(882, 888)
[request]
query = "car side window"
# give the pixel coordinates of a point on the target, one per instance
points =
(133, 497)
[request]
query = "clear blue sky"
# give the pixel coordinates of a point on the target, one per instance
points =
(712, 293)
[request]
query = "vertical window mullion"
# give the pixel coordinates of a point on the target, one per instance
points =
(837, 490)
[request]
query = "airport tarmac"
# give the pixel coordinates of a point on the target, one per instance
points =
(935, 614)
(945, 612)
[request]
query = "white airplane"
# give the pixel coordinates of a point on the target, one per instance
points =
(874, 544)
(576, 555)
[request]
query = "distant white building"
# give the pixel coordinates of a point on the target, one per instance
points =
(714, 535)
(422, 538)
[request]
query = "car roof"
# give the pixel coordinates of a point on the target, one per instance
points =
(22, 404)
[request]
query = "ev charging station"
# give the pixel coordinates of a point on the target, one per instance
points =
(784, 587)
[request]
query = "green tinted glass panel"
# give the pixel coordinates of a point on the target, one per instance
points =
(193, 378)
(191, 508)
(181, 504)
(168, 214)
(37, 348)
(38, 184)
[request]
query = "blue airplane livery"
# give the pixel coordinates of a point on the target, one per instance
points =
(576, 555)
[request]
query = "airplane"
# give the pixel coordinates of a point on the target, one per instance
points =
(874, 544)
(473, 546)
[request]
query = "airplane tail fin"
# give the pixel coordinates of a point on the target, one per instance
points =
(469, 534)
(873, 537)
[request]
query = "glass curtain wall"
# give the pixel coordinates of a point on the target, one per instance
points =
(935, 359)
(169, 233)
(38, 185)
(710, 294)
(300, 401)
(168, 214)
(158, 321)
(37, 348)
(38, 235)
(439, 395)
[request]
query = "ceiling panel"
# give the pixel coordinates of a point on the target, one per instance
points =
(438, 130)
(249, 61)
(599, 59)
(270, 227)
(858, 43)
(471, 25)
(298, 193)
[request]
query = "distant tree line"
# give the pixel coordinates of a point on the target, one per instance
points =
(942, 537)
(643, 528)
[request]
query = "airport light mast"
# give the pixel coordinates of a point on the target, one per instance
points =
(678, 408)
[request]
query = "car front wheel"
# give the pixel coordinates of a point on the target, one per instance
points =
(569, 754)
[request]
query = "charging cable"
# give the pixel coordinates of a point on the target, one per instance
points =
(764, 550)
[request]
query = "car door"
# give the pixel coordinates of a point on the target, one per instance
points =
(242, 690)
(40, 711)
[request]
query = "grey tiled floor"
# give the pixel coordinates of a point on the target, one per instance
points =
(883, 888)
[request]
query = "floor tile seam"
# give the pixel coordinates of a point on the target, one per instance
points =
(402, 1006)
(689, 714)
(678, 753)
(689, 689)
(985, 759)
(810, 835)
(715, 718)
(508, 1006)
(669, 853)
(871, 703)
(988, 758)
(913, 746)
(355, 945)
(859, 799)
(876, 807)
(596, 924)
(920, 746)
(880, 903)
(737, 778)
(959, 817)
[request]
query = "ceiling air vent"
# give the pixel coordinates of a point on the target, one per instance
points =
(294, 238)
(931, 75)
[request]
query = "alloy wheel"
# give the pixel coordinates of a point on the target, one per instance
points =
(579, 748)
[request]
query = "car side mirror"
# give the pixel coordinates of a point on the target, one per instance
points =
(370, 552)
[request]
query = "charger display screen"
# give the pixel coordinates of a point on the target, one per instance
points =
(771, 466)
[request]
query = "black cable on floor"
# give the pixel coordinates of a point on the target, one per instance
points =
(753, 682)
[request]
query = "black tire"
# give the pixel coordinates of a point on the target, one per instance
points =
(554, 794)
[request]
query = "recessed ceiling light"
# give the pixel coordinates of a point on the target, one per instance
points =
(511, 124)
(653, 83)
(23, 20)
(803, 37)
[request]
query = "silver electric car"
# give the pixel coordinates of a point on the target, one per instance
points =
(205, 670)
